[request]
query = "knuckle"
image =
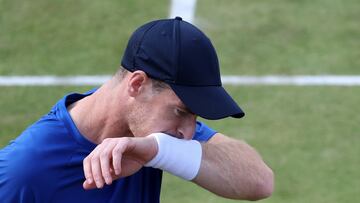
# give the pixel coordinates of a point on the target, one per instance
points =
(117, 150)
(106, 140)
(96, 174)
(94, 158)
(104, 155)
(125, 140)
(97, 178)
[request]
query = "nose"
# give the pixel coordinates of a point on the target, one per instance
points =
(186, 129)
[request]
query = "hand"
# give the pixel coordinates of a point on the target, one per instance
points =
(117, 157)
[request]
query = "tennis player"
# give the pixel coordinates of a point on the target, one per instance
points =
(112, 144)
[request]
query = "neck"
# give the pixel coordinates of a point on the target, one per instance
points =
(97, 116)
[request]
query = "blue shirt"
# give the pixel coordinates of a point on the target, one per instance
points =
(44, 164)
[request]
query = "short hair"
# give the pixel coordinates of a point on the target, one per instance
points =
(157, 85)
(121, 72)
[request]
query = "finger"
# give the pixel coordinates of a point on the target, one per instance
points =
(88, 186)
(105, 158)
(99, 154)
(87, 165)
(96, 171)
(117, 156)
(117, 153)
(87, 170)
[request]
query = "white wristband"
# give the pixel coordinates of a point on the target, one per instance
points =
(179, 157)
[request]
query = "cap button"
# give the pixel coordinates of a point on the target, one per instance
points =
(178, 18)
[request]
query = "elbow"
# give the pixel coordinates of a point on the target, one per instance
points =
(256, 188)
(263, 188)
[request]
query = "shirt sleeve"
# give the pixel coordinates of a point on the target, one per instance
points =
(203, 133)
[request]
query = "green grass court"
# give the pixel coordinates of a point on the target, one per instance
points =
(308, 135)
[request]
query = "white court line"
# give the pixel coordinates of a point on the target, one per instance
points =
(298, 80)
(83, 80)
(183, 8)
(47, 80)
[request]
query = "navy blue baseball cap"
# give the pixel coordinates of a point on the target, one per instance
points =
(179, 54)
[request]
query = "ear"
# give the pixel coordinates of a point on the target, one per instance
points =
(137, 83)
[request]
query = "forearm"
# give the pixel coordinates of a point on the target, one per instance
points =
(233, 169)
(228, 167)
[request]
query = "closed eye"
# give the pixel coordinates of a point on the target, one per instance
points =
(183, 112)
(180, 112)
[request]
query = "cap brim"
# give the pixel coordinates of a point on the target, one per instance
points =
(210, 102)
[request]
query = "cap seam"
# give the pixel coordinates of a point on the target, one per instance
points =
(140, 42)
(177, 48)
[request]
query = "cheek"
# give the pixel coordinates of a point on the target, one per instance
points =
(162, 121)
(139, 121)
(149, 120)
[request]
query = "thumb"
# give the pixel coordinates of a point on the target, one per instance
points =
(88, 186)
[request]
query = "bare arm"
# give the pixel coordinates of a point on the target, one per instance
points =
(232, 169)
(229, 168)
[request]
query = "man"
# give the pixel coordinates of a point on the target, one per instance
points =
(112, 144)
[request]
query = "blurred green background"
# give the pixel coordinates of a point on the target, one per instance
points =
(308, 135)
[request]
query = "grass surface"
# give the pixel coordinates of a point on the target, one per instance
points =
(21, 106)
(312, 145)
(283, 36)
(252, 37)
(69, 37)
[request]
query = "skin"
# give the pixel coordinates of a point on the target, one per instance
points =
(119, 116)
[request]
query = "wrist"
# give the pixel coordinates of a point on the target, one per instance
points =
(179, 157)
(152, 145)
